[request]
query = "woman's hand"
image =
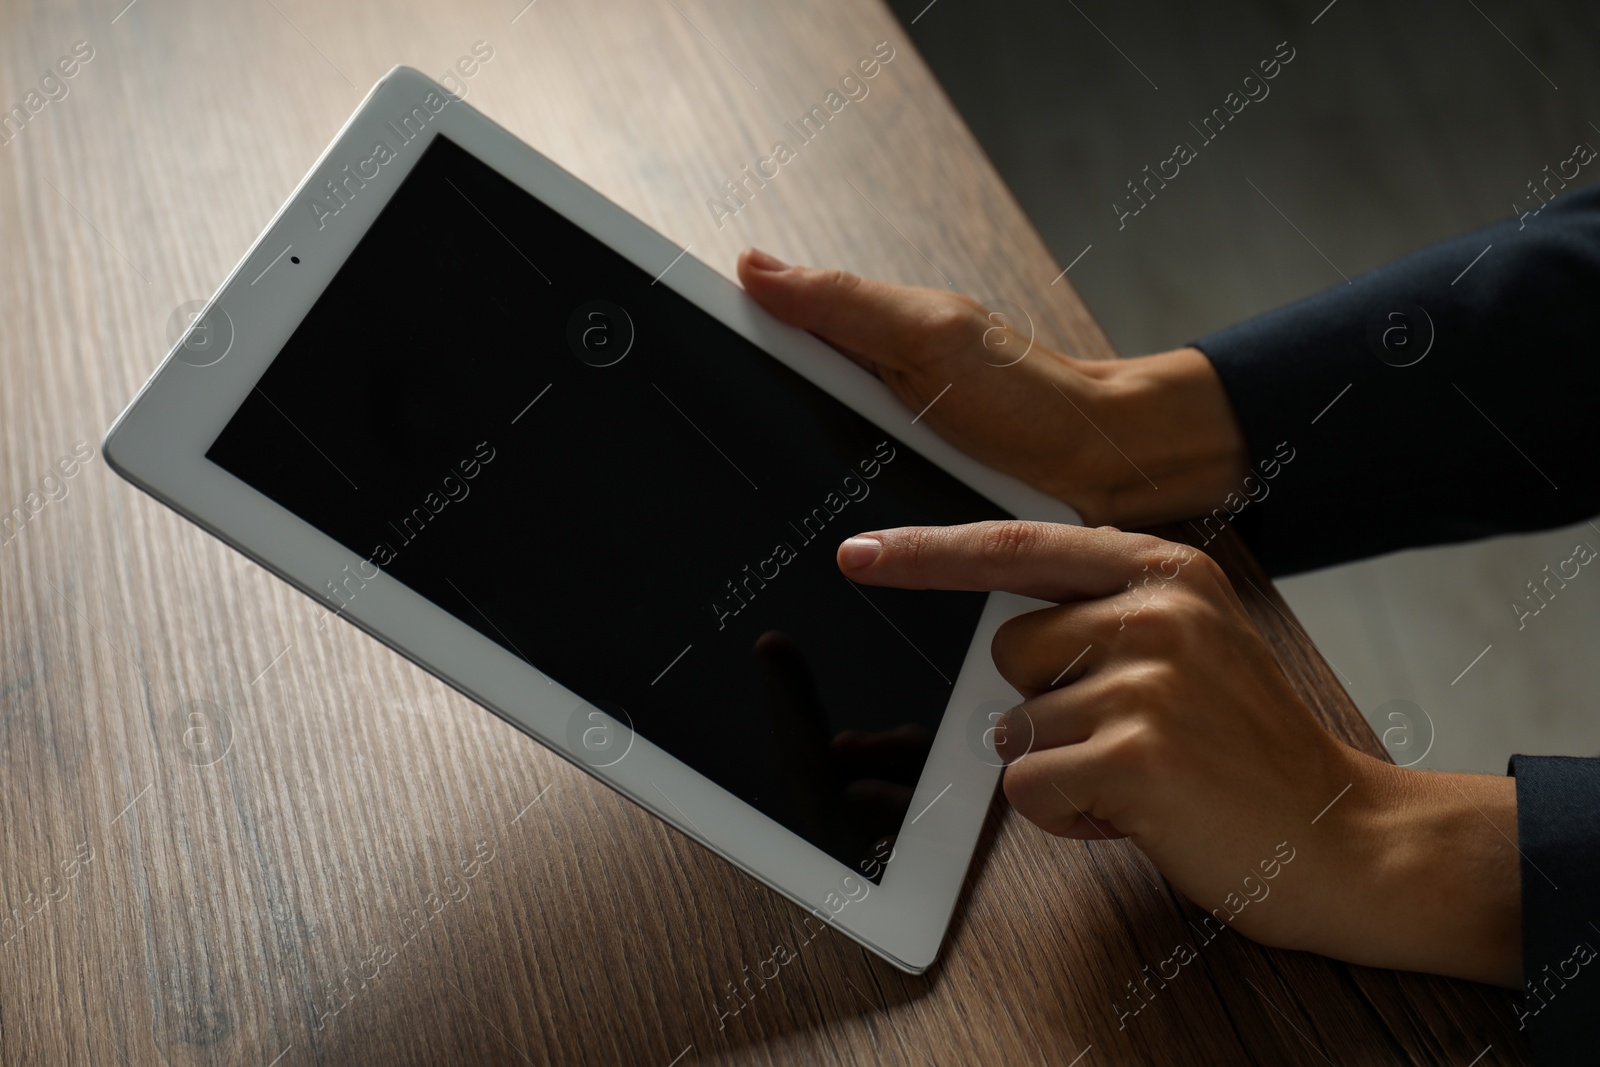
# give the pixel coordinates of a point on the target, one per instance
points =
(1130, 442)
(1154, 711)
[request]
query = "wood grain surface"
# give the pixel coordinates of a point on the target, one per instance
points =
(374, 870)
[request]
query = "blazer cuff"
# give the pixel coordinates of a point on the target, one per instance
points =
(1558, 830)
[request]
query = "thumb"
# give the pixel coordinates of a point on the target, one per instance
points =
(1049, 561)
(895, 326)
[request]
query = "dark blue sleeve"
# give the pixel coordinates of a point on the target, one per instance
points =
(1448, 396)
(1558, 833)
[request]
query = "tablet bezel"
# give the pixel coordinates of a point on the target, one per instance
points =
(159, 444)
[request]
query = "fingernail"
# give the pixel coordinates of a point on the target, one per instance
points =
(765, 261)
(858, 552)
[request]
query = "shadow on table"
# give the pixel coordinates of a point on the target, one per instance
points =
(571, 948)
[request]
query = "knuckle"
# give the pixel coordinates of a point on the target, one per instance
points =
(1149, 753)
(1123, 691)
(1131, 752)
(912, 547)
(945, 324)
(1202, 565)
(1136, 693)
(838, 282)
(1153, 554)
(1155, 624)
(950, 316)
(1149, 545)
(1172, 624)
(1009, 541)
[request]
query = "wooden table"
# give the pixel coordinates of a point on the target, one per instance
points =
(254, 908)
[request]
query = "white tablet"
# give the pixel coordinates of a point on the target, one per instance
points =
(529, 443)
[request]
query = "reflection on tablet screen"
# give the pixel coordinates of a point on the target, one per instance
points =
(505, 415)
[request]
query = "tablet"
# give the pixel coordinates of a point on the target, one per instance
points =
(507, 429)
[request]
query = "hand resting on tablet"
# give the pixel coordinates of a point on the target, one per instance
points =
(1098, 434)
(1153, 710)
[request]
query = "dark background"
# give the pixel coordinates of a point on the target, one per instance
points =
(1398, 124)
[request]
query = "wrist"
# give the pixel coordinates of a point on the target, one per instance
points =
(1424, 874)
(1184, 448)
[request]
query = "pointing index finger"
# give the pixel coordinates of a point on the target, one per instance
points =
(1048, 561)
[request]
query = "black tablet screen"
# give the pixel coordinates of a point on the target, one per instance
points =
(500, 412)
